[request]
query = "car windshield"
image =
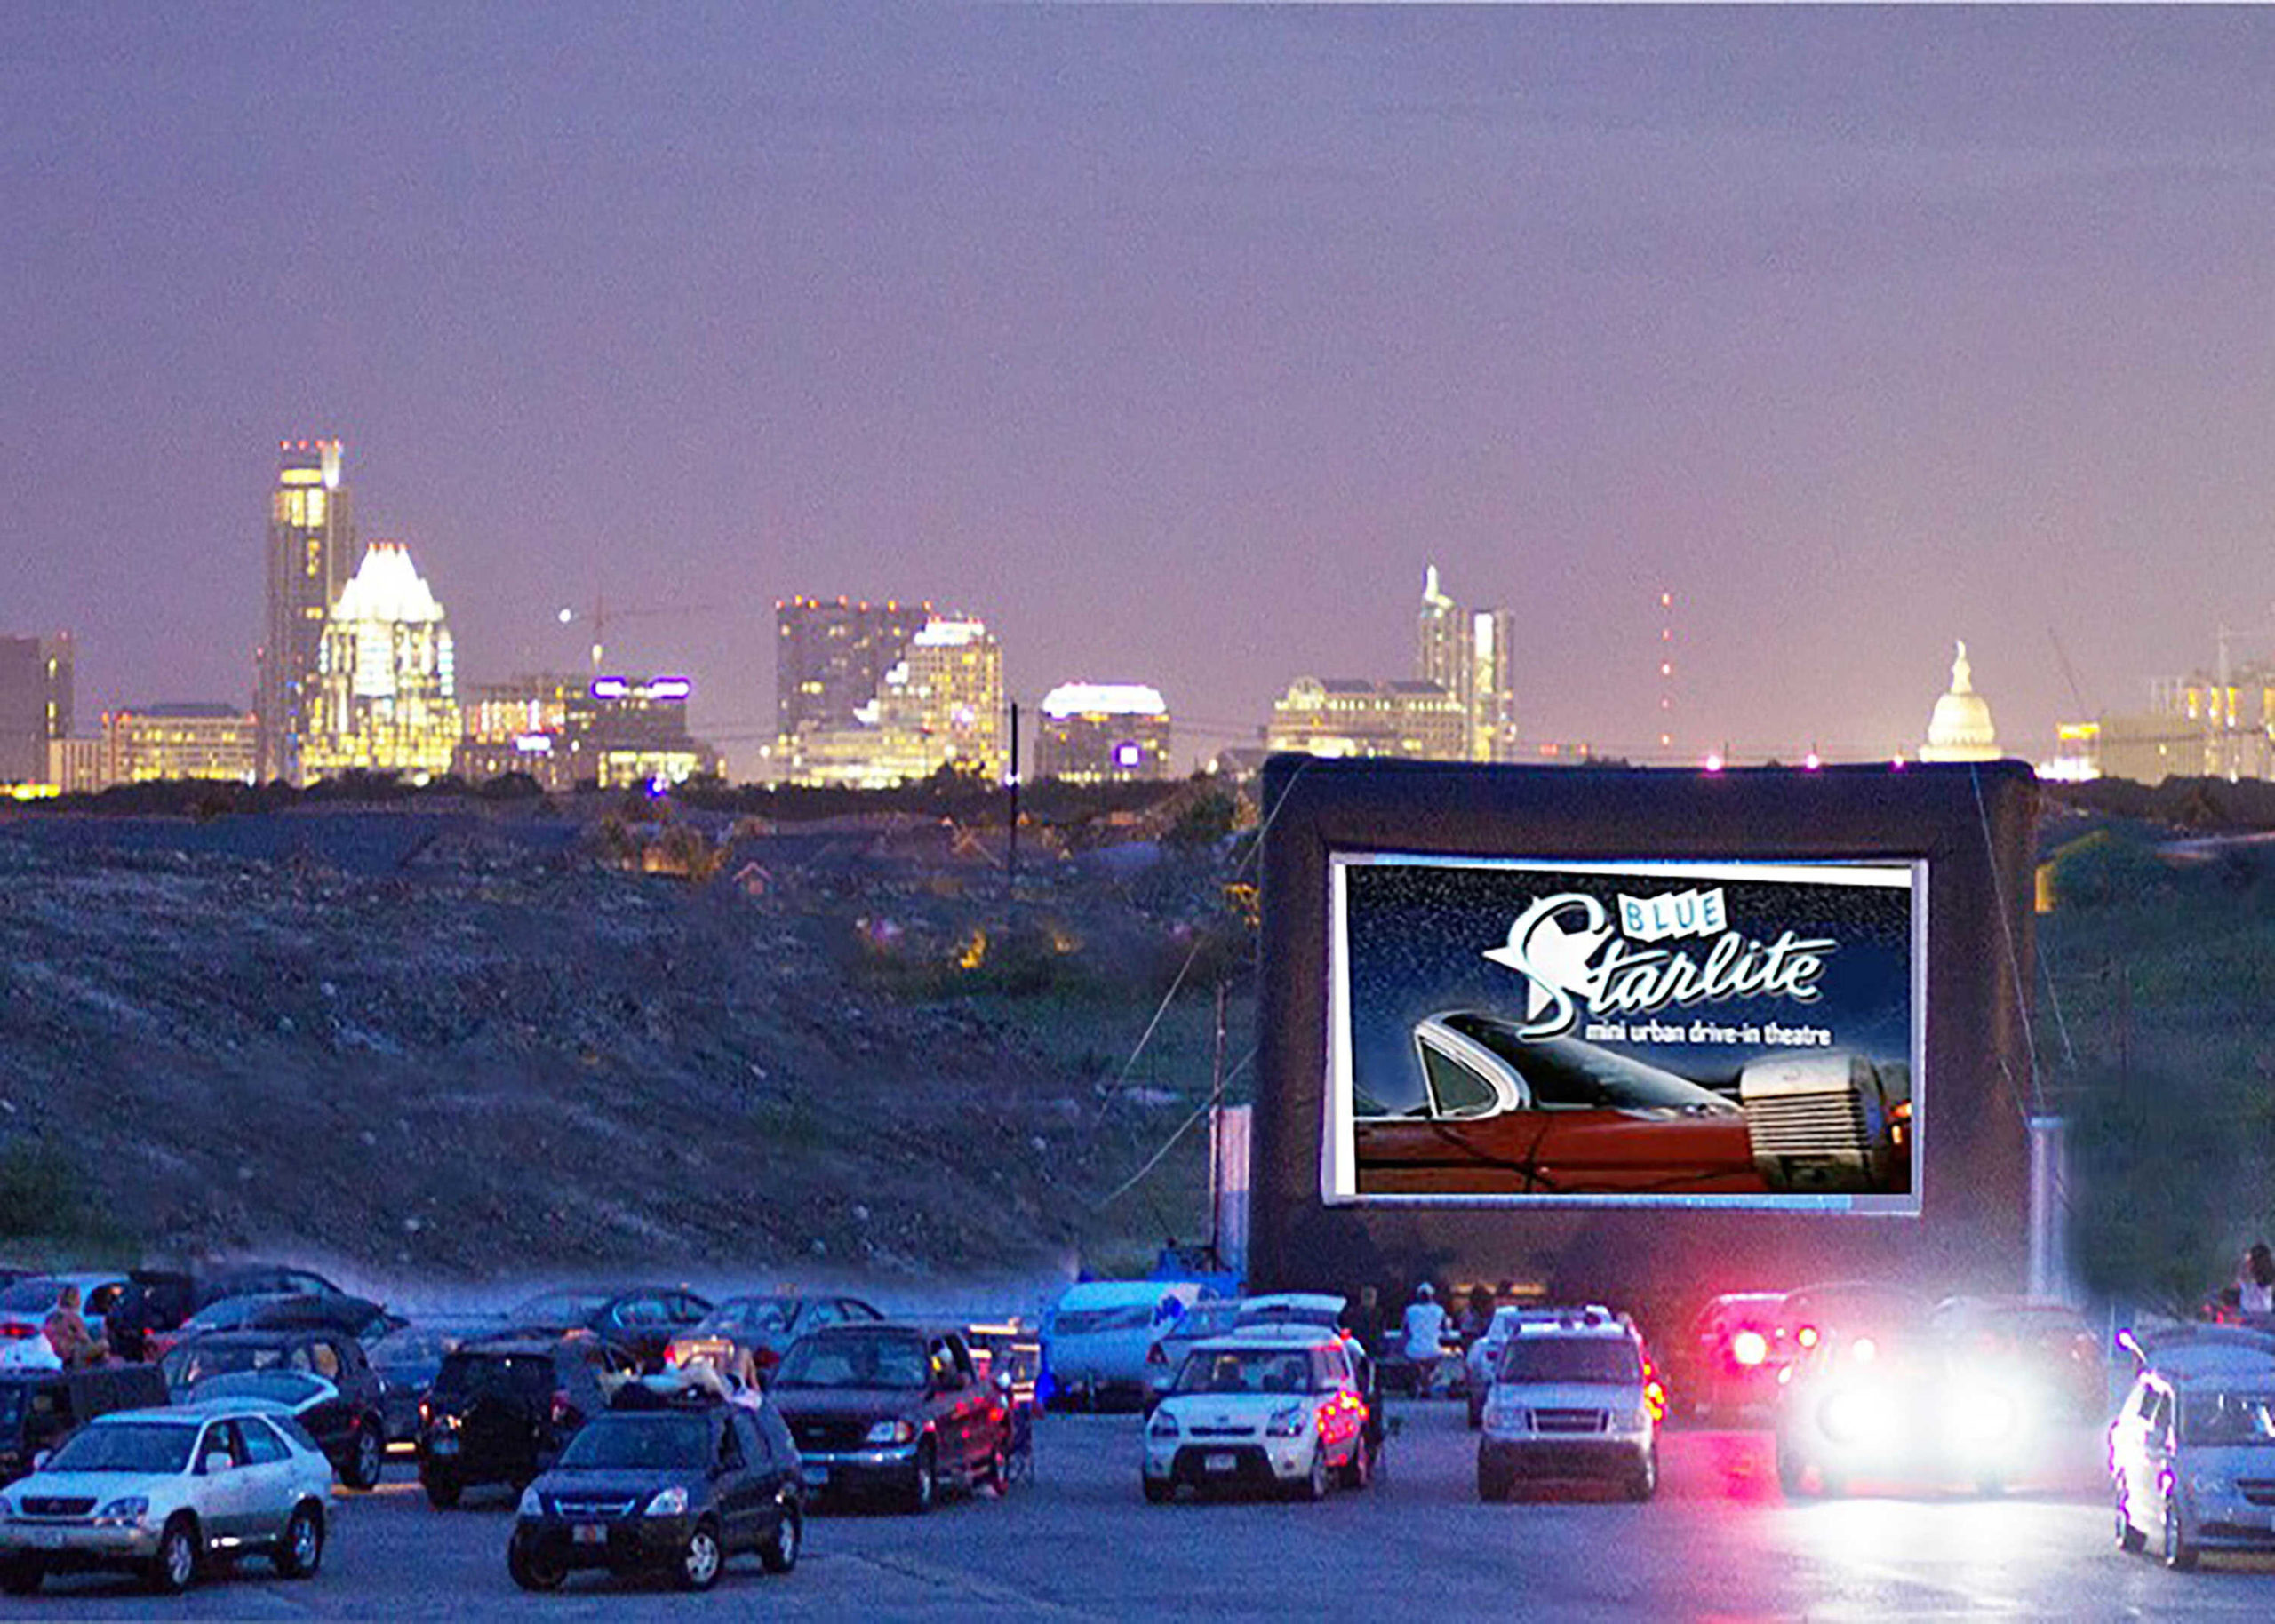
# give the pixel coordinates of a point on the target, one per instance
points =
(195, 1362)
(1290, 1314)
(645, 1442)
(1564, 1071)
(856, 1359)
(1570, 1359)
(37, 1294)
(1207, 1320)
(229, 1312)
(1247, 1370)
(2224, 1419)
(560, 1308)
(751, 1314)
(286, 1386)
(126, 1446)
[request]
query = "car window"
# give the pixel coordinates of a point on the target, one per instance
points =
(102, 1299)
(639, 1311)
(961, 1355)
(823, 1314)
(757, 1448)
(323, 1360)
(853, 1308)
(1334, 1368)
(262, 1446)
(942, 1365)
(1456, 1090)
(686, 1309)
(732, 1454)
(220, 1439)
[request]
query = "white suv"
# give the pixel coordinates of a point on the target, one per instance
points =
(1272, 1408)
(159, 1491)
(1574, 1395)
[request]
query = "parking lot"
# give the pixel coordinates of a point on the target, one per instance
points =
(1076, 1540)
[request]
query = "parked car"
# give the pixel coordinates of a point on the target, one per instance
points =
(352, 1430)
(359, 1317)
(2049, 1343)
(1730, 1361)
(1165, 1355)
(642, 1320)
(1484, 1357)
(1501, 1113)
(153, 1300)
(502, 1407)
(39, 1408)
(1324, 1311)
(1275, 1407)
(222, 1314)
(2192, 1452)
(1898, 1400)
(1095, 1337)
(895, 1410)
(676, 1486)
(308, 1399)
(25, 1306)
(163, 1492)
(763, 1327)
(407, 1357)
(1574, 1395)
(270, 1282)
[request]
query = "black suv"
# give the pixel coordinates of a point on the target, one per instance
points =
(39, 1407)
(502, 1407)
(663, 1483)
(352, 1429)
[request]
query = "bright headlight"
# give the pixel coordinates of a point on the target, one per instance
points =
(897, 1431)
(1855, 1416)
(531, 1505)
(1505, 1415)
(1286, 1423)
(1984, 1414)
(126, 1508)
(668, 1502)
(1163, 1426)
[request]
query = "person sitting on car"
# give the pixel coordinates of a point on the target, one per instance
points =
(1425, 1335)
(66, 1332)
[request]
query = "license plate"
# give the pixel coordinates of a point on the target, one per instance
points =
(590, 1533)
(446, 1446)
(817, 1473)
(1220, 1463)
(46, 1538)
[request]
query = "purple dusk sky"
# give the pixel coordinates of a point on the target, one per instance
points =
(1172, 341)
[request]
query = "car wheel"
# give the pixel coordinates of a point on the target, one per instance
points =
(301, 1549)
(1358, 1472)
(1644, 1482)
(924, 1483)
(1159, 1490)
(779, 1554)
(532, 1569)
(443, 1492)
(175, 1567)
(21, 1575)
(701, 1562)
(2180, 1550)
(2128, 1538)
(1316, 1481)
(366, 1460)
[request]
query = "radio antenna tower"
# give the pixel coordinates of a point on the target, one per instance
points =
(1666, 675)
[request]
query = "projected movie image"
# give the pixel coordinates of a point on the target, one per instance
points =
(1733, 1034)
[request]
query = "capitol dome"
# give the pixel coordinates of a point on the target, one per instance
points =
(1961, 730)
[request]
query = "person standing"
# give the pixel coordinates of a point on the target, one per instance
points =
(1426, 1336)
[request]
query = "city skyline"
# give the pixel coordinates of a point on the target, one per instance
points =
(1175, 342)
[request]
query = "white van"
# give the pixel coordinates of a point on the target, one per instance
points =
(1096, 1335)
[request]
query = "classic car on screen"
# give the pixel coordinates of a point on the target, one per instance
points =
(1507, 1115)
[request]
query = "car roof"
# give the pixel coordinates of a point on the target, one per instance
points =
(1286, 1337)
(1315, 1302)
(870, 1327)
(269, 1336)
(1124, 1294)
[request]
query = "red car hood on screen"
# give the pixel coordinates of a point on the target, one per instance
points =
(1581, 1152)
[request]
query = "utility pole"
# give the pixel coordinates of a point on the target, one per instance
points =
(1012, 857)
(1216, 1114)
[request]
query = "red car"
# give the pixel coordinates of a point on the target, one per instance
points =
(1732, 1357)
(1507, 1115)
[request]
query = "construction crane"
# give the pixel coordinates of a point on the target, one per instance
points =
(601, 614)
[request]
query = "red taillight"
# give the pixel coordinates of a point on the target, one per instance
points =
(1655, 1400)
(671, 1353)
(15, 1331)
(1749, 1349)
(1806, 1336)
(766, 1358)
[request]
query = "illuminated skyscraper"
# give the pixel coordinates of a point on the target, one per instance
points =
(311, 549)
(1103, 733)
(384, 694)
(35, 704)
(830, 658)
(1467, 654)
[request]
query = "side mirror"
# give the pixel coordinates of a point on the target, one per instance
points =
(42, 1459)
(215, 1461)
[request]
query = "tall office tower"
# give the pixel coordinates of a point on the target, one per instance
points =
(1467, 654)
(384, 697)
(55, 659)
(311, 554)
(23, 711)
(830, 659)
